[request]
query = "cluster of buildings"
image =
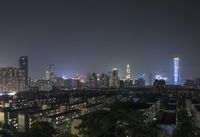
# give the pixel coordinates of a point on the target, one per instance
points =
(15, 79)
(61, 83)
(110, 80)
(64, 109)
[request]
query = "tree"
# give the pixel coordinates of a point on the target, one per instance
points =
(20, 134)
(5, 133)
(42, 129)
(97, 124)
(122, 120)
(67, 134)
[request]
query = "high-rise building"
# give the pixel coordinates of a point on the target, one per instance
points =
(51, 71)
(47, 75)
(44, 85)
(23, 65)
(140, 82)
(104, 81)
(92, 80)
(176, 71)
(128, 72)
(88, 80)
(115, 73)
(12, 79)
(60, 82)
(128, 83)
(72, 83)
(114, 80)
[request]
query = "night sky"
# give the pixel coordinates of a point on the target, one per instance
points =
(95, 36)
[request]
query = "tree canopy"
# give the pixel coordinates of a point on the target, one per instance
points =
(42, 129)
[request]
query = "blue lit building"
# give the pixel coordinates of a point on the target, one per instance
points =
(176, 71)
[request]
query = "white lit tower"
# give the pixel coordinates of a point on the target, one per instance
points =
(51, 73)
(128, 72)
(47, 75)
(176, 71)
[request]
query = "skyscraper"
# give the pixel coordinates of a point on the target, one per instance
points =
(104, 81)
(114, 80)
(176, 71)
(93, 80)
(47, 75)
(128, 72)
(115, 73)
(51, 71)
(23, 65)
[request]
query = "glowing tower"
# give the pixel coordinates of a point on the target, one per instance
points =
(176, 71)
(128, 72)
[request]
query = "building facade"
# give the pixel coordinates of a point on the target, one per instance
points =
(12, 80)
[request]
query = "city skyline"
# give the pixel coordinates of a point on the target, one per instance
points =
(80, 37)
(123, 72)
(50, 73)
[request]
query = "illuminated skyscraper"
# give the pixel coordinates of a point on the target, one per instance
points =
(128, 72)
(51, 71)
(47, 75)
(176, 71)
(23, 65)
(115, 73)
(114, 80)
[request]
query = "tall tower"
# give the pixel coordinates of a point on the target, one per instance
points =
(128, 72)
(47, 75)
(23, 65)
(114, 81)
(176, 71)
(115, 73)
(51, 71)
